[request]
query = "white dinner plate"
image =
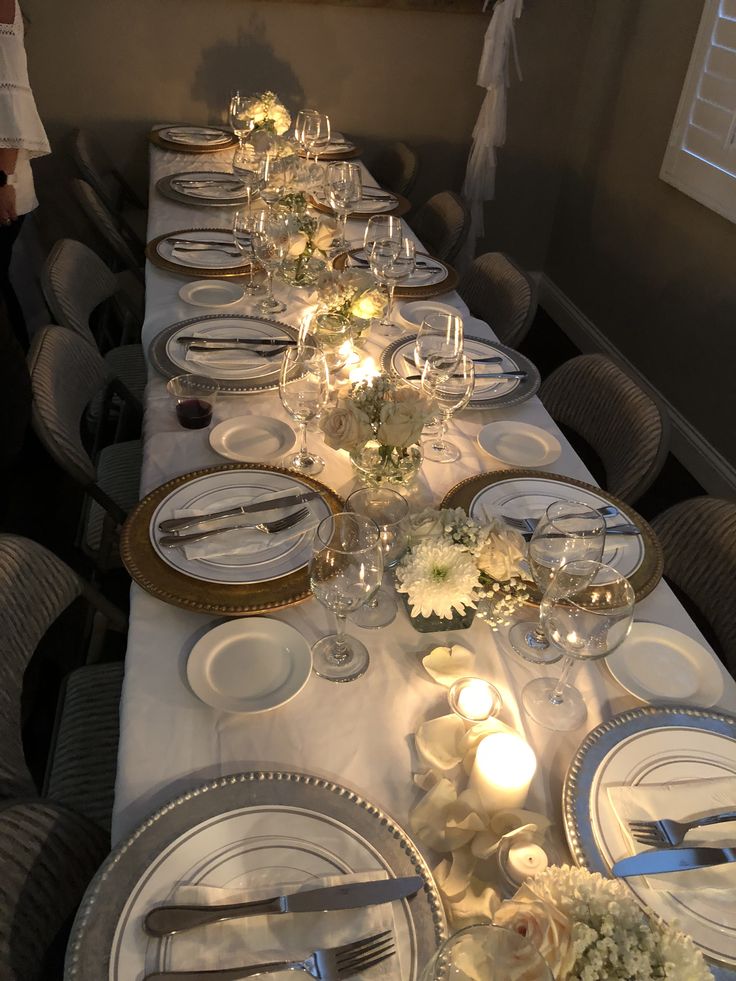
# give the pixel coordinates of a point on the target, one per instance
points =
(436, 273)
(255, 556)
(659, 664)
(203, 258)
(366, 206)
(519, 444)
(415, 312)
(245, 364)
(250, 664)
(195, 135)
(229, 187)
(252, 439)
(485, 388)
(529, 497)
(211, 293)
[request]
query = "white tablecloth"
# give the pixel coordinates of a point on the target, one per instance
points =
(358, 734)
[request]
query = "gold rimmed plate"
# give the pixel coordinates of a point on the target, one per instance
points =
(395, 204)
(528, 493)
(269, 576)
(192, 139)
(432, 278)
(178, 252)
(203, 188)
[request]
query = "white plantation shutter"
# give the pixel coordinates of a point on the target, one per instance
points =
(701, 155)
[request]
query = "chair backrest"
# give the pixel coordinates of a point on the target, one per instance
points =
(442, 224)
(75, 282)
(104, 222)
(66, 374)
(48, 855)
(35, 588)
(499, 292)
(625, 425)
(698, 538)
(96, 168)
(396, 167)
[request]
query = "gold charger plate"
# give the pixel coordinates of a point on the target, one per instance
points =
(402, 206)
(231, 599)
(200, 272)
(643, 580)
(337, 155)
(448, 284)
(156, 139)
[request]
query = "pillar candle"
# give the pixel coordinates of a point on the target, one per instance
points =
(503, 769)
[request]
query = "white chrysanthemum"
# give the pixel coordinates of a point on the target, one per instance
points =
(439, 578)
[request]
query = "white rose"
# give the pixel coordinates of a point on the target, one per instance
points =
(546, 928)
(347, 427)
(324, 235)
(424, 525)
(502, 553)
(400, 423)
(297, 243)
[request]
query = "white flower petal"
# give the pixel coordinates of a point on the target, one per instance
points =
(447, 664)
(438, 742)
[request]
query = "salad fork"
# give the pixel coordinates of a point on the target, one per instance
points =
(665, 831)
(267, 527)
(325, 964)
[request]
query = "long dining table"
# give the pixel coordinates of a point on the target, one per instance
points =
(357, 734)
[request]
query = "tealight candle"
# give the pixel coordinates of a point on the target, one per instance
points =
(502, 772)
(524, 860)
(474, 699)
(366, 371)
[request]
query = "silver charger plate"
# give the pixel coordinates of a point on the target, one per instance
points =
(203, 837)
(169, 187)
(488, 394)
(165, 356)
(655, 744)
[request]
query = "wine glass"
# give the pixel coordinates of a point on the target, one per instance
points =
(450, 391)
(392, 265)
(316, 133)
(496, 952)
(390, 511)
(345, 571)
(344, 189)
(243, 223)
(273, 174)
(441, 336)
(304, 391)
(241, 119)
(270, 236)
(247, 165)
(568, 531)
(382, 228)
(586, 612)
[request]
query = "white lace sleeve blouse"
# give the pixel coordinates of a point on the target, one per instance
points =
(20, 126)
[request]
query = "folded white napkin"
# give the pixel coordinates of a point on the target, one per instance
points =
(682, 801)
(242, 541)
(195, 137)
(283, 936)
(230, 359)
(231, 192)
(207, 258)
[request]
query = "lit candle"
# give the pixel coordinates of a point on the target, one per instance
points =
(473, 699)
(367, 370)
(503, 769)
(524, 860)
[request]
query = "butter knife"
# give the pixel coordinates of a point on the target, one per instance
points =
(276, 504)
(165, 920)
(495, 374)
(672, 860)
(258, 341)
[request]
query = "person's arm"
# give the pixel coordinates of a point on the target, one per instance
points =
(8, 159)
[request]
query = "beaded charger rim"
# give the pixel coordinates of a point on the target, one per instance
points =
(447, 285)
(162, 143)
(151, 573)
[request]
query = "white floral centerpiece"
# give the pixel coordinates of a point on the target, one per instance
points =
(454, 563)
(589, 928)
(309, 238)
(379, 423)
(351, 293)
(267, 113)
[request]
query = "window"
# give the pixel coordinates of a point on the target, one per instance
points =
(701, 156)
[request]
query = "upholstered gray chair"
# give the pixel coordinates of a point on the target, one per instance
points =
(124, 251)
(35, 589)
(623, 424)
(442, 224)
(96, 168)
(81, 291)
(698, 538)
(396, 167)
(499, 292)
(67, 373)
(48, 855)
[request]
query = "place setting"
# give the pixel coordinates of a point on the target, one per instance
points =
(200, 252)
(192, 139)
(212, 188)
(345, 195)
(244, 353)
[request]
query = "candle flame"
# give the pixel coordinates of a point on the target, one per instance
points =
(366, 371)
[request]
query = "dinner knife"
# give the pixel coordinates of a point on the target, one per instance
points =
(276, 504)
(258, 341)
(165, 920)
(495, 374)
(672, 860)
(616, 530)
(200, 241)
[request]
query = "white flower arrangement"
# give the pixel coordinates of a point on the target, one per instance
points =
(268, 113)
(351, 293)
(592, 929)
(380, 410)
(455, 563)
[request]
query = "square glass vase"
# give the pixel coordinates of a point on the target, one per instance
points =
(436, 623)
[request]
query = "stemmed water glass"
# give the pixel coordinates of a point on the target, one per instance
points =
(241, 119)
(316, 133)
(273, 174)
(390, 511)
(568, 531)
(449, 391)
(304, 391)
(270, 236)
(343, 188)
(391, 264)
(586, 612)
(382, 228)
(243, 224)
(247, 165)
(441, 337)
(345, 571)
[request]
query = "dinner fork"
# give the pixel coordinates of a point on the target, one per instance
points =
(326, 964)
(270, 353)
(267, 527)
(669, 832)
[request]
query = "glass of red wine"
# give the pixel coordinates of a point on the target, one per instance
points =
(195, 397)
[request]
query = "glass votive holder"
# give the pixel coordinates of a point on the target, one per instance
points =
(474, 699)
(195, 397)
(332, 330)
(520, 857)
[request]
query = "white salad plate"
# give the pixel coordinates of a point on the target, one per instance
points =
(519, 444)
(659, 664)
(252, 439)
(211, 293)
(250, 664)
(414, 313)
